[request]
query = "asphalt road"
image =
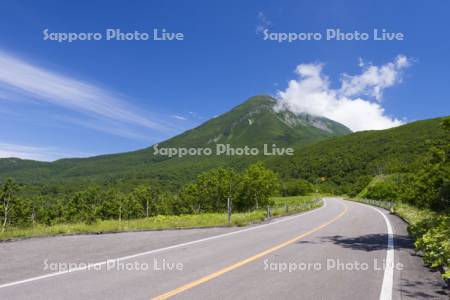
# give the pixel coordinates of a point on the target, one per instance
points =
(338, 251)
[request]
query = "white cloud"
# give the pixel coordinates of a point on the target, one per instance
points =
(178, 117)
(195, 115)
(373, 80)
(107, 127)
(263, 23)
(312, 94)
(24, 79)
(35, 152)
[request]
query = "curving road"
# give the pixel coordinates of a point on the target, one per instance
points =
(343, 250)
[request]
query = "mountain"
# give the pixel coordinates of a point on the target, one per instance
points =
(255, 122)
(252, 123)
(348, 163)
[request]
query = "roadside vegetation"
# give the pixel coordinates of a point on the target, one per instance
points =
(430, 229)
(201, 203)
(280, 206)
(422, 198)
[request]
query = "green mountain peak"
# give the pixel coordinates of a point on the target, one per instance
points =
(256, 122)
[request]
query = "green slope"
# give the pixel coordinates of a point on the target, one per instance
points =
(349, 162)
(253, 123)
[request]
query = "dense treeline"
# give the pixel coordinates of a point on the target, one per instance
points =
(346, 165)
(250, 189)
(341, 165)
(208, 193)
(428, 186)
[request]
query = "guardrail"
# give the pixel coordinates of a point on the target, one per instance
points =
(389, 205)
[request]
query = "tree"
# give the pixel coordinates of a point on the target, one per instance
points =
(258, 184)
(190, 199)
(21, 213)
(211, 190)
(431, 184)
(8, 199)
(84, 206)
(218, 185)
(148, 197)
(383, 189)
(110, 205)
(131, 207)
(296, 187)
(46, 210)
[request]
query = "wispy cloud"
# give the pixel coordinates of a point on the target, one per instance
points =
(25, 79)
(263, 23)
(107, 127)
(36, 152)
(178, 117)
(195, 115)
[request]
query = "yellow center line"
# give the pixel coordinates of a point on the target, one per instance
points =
(245, 261)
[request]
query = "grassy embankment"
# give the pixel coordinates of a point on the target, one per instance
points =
(431, 231)
(294, 204)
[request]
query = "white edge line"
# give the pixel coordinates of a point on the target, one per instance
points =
(388, 277)
(102, 263)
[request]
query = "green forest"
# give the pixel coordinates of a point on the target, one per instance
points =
(210, 192)
(404, 164)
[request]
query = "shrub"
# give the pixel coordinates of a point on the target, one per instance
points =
(296, 187)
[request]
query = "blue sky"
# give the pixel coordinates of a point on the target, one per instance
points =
(94, 97)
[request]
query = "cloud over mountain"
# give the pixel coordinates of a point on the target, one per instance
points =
(356, 103)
